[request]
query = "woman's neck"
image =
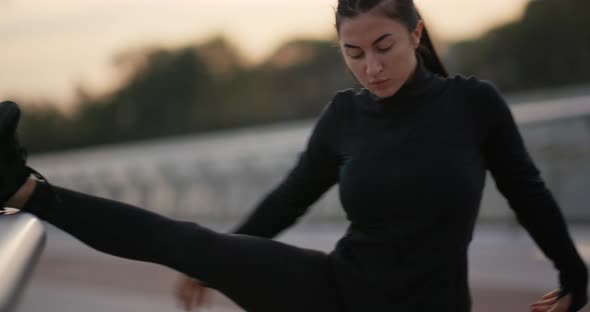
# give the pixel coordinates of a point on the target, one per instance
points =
(416, 82)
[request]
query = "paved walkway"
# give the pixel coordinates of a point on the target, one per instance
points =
(506, 274)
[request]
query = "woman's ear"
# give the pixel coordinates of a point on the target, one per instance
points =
(417, 33)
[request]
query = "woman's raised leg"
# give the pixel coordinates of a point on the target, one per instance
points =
(258, 274)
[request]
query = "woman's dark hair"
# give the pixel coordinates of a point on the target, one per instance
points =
(403, 11)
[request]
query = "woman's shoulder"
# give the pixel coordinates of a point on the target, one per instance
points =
(478, 95)
(474, 86)
(350, 95)
(344, 101)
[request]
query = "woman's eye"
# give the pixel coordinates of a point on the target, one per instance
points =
(356, 56)
(384, 49)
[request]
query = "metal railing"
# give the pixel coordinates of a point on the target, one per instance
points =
(219, 177)
(22, 238)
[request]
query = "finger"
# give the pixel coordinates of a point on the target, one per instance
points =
(540, 308)
(188, 297)
(552, 294)
(562, 305)
(198, 299)
(545, 302)
(193, 292)
(196, 295)
(557, 308)
(203, 296)
(180, 294)
(185, 293)
(208, 300)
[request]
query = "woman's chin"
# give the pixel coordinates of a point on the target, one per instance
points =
(382, 93)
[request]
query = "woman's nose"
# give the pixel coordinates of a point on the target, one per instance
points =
(374, 66)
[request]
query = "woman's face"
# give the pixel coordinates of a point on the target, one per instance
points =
(379, 51)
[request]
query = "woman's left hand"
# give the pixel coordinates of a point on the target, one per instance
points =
(550, 303)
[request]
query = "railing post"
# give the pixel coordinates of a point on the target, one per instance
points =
(22, 238)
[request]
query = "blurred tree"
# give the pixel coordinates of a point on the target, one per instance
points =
(45, 128)
(549, 47)
(196, 88)
(207, 87)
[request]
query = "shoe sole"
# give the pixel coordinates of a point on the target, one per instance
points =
(9, 117)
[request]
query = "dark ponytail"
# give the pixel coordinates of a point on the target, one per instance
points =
(403, 11)
(428, 53)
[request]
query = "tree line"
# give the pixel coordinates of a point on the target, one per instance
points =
(207, 86)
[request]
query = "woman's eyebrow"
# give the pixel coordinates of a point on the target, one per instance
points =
(346, 45)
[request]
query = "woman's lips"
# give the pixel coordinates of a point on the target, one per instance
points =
(378, 83)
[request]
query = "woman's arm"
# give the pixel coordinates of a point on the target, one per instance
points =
(314, 173)
(518, 179)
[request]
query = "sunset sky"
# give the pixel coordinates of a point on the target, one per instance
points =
(49, 47)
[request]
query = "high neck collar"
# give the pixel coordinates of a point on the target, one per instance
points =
(419, 82)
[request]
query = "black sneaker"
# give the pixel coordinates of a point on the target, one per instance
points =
(13, 169)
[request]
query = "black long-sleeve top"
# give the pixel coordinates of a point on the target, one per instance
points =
(411, 169)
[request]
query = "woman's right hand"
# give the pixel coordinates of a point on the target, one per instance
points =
(190, 293)
(551, 302)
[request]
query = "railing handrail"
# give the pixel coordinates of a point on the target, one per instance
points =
(22, 238)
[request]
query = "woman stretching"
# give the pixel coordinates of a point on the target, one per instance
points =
(409, 151)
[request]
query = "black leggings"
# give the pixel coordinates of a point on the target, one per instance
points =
(258, 274)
